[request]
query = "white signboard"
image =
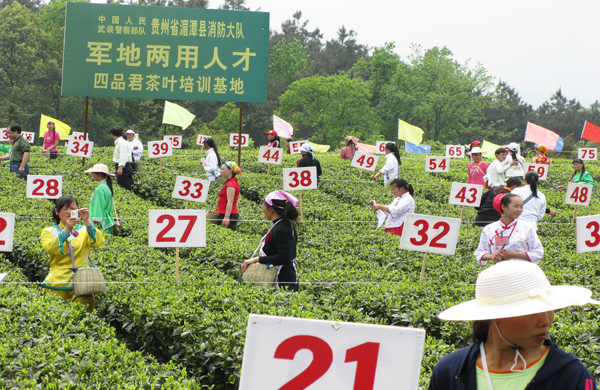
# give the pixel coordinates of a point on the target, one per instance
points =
(79, 148)
(588, 234)
(201, 138)
(160, 149)
(29, 136)
(587, 154)
(234, 140)
(468, 195)
(437, 164)
(269, 155)
(294, 353)
(7, 231)
(176, 140)
(4, 135)
(80, 136)
(578, 194)
(188, 188)
(300, 178)
(364, 161)
(176, 228)
(380, 146)
(295, 146)
(424, 233)
(48, 187)
(455, 151)
(541, 169)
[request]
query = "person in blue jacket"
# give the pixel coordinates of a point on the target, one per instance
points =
(512, 316)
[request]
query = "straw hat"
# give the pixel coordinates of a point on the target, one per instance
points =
(515, 288)
(99, 168)
(475, 150)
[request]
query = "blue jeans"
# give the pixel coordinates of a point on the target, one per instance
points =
(14, 167)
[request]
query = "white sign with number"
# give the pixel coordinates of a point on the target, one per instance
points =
(380, 146)
(587, 154)
(29, 136)
(188, 188)
(455, 151)
(7, 231)
(437, 164)
(578, 194)
(4, 135)
(425, 233)
(269, 155)
(160, 149)
(80, 136)
(297, 353)
(79, 148)
(234, 140)
(176, 140)
(176, 228)
(44, 187)
(541, 169)
(201, 138)
(588, 234)
(364, 161)
(300, 179)
(468, 195)
(295, 146)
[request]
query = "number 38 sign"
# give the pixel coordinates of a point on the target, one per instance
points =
(588, 234)
(424, 233)
(294, 354)
(176, 228)
(300, 179)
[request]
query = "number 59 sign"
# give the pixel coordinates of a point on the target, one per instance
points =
(300, 179)
(176, 228)
(541, 169)
(294, 354)
(424, 233)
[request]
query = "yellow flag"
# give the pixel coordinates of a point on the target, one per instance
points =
(410, 133)
(62, 128)
(489, 149)
(319, 148)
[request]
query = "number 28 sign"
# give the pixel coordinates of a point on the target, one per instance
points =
(294, 354)
(176, 228)
(44, 187)
(364, 161)
(463, 194)
(300, 179)
(424, 233)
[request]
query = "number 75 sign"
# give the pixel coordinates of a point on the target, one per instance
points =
(293, 354)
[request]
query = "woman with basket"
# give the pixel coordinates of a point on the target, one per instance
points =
(69, 243)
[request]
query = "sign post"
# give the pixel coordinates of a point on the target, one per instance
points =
(578, 194)
(44, 187)
(300, 179)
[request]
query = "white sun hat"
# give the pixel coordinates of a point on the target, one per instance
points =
(513, 146)
(475, 149)
(515, 288)
(99, 168)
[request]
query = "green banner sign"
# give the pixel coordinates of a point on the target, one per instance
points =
(165, 53)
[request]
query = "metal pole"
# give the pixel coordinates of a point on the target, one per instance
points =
(87, 99)
(240, 138)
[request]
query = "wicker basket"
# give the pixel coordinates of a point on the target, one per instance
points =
(88, 281)
(260, 274)
(214, 218)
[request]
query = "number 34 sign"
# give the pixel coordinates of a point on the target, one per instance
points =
(293, 354)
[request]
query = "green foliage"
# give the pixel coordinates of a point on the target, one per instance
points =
(288, 60)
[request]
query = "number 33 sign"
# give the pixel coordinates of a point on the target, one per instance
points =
(176, 228)
(424, 233)
(187, 188)
(294, 354)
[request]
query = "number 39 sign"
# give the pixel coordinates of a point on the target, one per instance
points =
(364, 161)
(293, 354)
(188, 188)
(300, 179)
(424, 233)
(160, 149)
(176, 228)
(44, 187)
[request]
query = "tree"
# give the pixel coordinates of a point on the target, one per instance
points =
(288, 60)
(228, 119)
(235, 5)
(561, 115)
(339, 55)
(33, 5)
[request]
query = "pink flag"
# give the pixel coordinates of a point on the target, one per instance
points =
(282, 128)
(367, 148)
(591, 132)
(540, 135)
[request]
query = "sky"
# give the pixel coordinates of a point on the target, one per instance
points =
(535, 46)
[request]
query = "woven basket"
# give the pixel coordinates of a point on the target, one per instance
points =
(88, 281)
(214, 218)
(260, 275)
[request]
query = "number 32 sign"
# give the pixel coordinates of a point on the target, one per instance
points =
(424, 233)
(176, 228)
(588, 234)
(294, 354)
(300, 179)
(7, 231)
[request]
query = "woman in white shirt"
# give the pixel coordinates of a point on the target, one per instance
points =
(508, 238)
(392, 163)
(397, 210)
(534, 202)
(516, 169)
(212, 165)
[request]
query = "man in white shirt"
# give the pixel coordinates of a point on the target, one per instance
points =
(136, 145)
(123, 158)
(495, 172)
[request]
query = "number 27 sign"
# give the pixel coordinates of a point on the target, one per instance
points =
(424, 233)
(293, 354)
(176, 228)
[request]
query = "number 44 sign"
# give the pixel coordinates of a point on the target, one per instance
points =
(293, 354)
(269, 155)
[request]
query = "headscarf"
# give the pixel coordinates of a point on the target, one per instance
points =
(234, 167)
(281, 195)
(354, 140)
(542, 149)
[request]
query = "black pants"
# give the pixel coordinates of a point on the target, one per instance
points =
(233, 220)
(126, 179)
(53, 155)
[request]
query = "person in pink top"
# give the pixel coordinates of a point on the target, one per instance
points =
(51, 139)
(228, 196)
(478, 168)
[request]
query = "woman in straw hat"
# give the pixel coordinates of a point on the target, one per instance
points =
(102, 202)
(512, 315)
(478, 168)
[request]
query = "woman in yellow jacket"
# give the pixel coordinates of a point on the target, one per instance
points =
(60, 239)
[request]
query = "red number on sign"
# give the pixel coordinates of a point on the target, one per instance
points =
(584, 152)
(580, 196)
(369, 161)
(432, 164)
(3, 225)
(451, 151)
(442, 164)
(51, 189)
(365, 356)
(591, 225)
(382, 147)
(445, 229)
(85, 149)
(28, 136)
(236, 139)
(170, 223)
(186, 189)
(175, 141)
(322, 359)
(38, 188)
(164, 147)
(295, 181)
(462, 194)
(156, 150)
(268, 155)
(422, 233)
(459, 151)
(592, 154)
(188, 229)
(541, 171)
(75, 147)
(305, 178)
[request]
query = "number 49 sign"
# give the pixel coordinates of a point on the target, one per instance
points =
(294, 354)
(364, 161)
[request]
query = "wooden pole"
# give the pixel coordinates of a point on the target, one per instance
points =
(87, 99)
(177, 264)
(360, 175)
(268, 169)
(160, 158)
(44, 209)
(186, 204)
(240, 138)
(574, 216)
(436, 177)
(425, 256)
(462, 211)
(301, 212)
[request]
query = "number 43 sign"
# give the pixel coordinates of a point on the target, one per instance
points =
(294, 354)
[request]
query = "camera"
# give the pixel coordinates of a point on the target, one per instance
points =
(74, 213)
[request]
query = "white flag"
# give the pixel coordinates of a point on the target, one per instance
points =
(282, 128)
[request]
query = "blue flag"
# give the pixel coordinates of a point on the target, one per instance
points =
(414, 149)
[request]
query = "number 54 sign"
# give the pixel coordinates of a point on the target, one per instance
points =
(294, 354)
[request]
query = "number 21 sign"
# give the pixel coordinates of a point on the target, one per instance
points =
(293, 354)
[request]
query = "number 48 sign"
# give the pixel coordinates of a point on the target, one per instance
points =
(578, 194)
(293, 354)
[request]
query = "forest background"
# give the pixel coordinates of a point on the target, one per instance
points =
(325, 89)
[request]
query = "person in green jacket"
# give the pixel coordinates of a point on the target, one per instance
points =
(102, 202)
(6, 149)
(580, 175)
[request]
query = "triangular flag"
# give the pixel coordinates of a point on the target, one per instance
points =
(488, 149)
(318, 148)
(174, 114)
(282, 128)
(366, 148)
(540, 135)
(410, 133)
(62, 128)
(416, 149)
(591, 132)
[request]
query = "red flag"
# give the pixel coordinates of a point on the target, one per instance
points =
(367, 148)
(591, 132)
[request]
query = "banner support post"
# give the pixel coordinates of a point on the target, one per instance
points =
(85, 119)
(240, 137)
